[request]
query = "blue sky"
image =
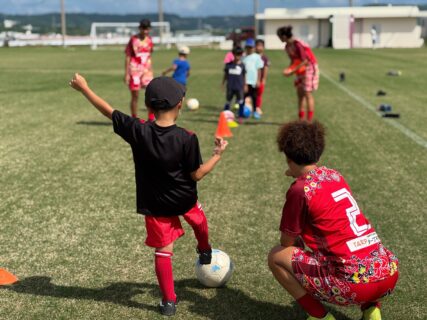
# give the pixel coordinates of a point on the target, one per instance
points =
(181, 7)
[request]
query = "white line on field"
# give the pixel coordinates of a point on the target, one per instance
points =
(407, 132)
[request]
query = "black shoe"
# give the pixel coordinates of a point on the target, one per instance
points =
(168, 308)
(205, 257)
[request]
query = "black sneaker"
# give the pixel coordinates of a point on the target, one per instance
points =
(168, 308)
(205, 257)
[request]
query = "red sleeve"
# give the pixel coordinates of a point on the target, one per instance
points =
(129, 49)
(300, 51)
(294, 210)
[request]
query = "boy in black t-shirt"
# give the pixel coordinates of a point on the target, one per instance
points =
(167, 166)
(234, 76)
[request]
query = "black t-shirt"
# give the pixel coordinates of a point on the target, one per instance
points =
(164, 158)
(235, 75)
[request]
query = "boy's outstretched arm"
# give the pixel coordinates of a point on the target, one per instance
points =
(170, 69)
(204, 169)
(79, 83)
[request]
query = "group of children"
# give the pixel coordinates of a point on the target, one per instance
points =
(328, 250)
(245, 76)
(245, 71)
(345, 262)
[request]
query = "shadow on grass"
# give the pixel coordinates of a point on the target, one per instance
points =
(228, 303)
(95, 123)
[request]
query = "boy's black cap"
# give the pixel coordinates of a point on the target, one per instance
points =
(163, 93)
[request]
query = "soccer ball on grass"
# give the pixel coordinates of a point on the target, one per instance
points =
(218, 272)
(193, 104)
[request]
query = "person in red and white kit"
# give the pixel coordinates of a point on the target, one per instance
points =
(304, 66)
(138, 67)
(345, 262)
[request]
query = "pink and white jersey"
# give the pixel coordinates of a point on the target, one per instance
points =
(321, 209)
(140, 53)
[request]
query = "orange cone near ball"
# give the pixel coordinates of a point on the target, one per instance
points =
(7, 278)
(223, 131)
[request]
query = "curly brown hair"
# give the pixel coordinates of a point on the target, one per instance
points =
(301, 141)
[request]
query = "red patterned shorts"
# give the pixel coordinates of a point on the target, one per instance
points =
(318, 279)
(309, 81)
(140, 76)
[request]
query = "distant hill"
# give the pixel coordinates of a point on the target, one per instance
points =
(79, 23)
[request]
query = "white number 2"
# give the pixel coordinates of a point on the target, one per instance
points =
(352, 211)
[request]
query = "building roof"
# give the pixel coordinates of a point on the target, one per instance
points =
(357, 12)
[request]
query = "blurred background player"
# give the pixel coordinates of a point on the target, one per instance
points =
(234, 76)
(346, 263)
(138, 68)
(180, 66)
(374, 36)
(253, 65)
(259, 48)
(305, 82)
(168, 165)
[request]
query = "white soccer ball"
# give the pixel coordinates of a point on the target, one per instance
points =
(193, 104)
(218, 272)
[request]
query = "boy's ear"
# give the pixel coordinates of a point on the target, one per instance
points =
(180, 103)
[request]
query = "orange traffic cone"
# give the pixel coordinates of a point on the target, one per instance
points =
(223, 131)
(7, 278)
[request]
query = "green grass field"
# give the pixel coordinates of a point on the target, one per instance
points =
(68, 224)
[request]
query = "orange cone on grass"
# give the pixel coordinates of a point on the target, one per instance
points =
(7, 278)
(223, 131)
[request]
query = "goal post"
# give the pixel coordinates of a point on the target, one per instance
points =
(119, 32)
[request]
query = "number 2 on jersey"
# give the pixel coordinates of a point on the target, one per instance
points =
(352, 211)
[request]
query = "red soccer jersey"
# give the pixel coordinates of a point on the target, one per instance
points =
(299, 50)
(320, 207)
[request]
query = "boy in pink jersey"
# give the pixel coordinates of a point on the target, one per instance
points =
(138, 69)
(347, 263)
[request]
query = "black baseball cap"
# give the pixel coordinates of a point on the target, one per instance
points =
(163, 93)
(145, 24)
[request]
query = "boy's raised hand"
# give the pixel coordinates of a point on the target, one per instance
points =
(220, 146)
(78, 82)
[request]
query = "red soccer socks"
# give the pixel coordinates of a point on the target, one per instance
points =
(163, 267)
(312, 306)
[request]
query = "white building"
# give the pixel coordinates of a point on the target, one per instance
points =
(347, 27)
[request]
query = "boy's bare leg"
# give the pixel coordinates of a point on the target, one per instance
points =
(310, 105)
(280, 263)
(134, 103)
(301, 102)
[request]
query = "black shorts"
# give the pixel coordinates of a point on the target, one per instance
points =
(234, 93)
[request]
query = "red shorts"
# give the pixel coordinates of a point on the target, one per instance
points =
(318, 280)
(309, 80)
(162, 231)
